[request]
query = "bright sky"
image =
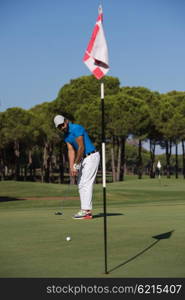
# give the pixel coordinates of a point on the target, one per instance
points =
(42, 43)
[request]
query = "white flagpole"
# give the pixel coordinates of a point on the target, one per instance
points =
(103, 137)
(104, 176)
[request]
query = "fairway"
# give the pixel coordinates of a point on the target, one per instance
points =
(145, 222)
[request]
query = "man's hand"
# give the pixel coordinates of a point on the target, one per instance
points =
(73, 171)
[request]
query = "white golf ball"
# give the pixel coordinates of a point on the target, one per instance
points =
(68, 238)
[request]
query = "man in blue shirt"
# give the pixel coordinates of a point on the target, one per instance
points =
(83, 162)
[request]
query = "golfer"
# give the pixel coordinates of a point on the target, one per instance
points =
(83, 162)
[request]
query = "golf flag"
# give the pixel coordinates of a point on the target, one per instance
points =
(96, 54)
(96, 59)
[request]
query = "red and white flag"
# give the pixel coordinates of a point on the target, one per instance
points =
(96, 55)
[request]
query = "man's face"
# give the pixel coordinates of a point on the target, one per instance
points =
(63, 127)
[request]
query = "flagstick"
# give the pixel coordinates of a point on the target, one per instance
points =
(104, 176)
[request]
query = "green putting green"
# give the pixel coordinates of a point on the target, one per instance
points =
(145, 224)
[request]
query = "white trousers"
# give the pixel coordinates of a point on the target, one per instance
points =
(86, 178)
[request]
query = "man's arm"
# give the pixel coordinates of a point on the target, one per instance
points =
(71, 157)
(79, 155)
(80, 152)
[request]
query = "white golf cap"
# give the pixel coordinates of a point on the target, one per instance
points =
(58, 120)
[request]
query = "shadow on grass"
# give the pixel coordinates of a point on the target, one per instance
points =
(101, 215)
(6, 199)
(158, 238)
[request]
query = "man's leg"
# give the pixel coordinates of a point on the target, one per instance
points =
(86, 180)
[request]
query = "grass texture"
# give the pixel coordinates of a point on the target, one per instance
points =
(145, 230)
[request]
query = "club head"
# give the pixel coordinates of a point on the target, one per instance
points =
(58, 213)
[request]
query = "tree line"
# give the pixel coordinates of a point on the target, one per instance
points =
(29, 142)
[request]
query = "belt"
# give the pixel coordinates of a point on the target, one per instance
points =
(87, 154)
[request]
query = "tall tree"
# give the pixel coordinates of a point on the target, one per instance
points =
(169, 123)
(83, 90)
(47, 137)
(142, 121)
(125, 116)
(15, 131)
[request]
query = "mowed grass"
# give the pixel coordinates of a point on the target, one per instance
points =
(33, 239)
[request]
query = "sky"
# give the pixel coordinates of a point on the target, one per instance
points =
(42, 43)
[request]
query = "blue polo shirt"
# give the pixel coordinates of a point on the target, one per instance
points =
(74, 131)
